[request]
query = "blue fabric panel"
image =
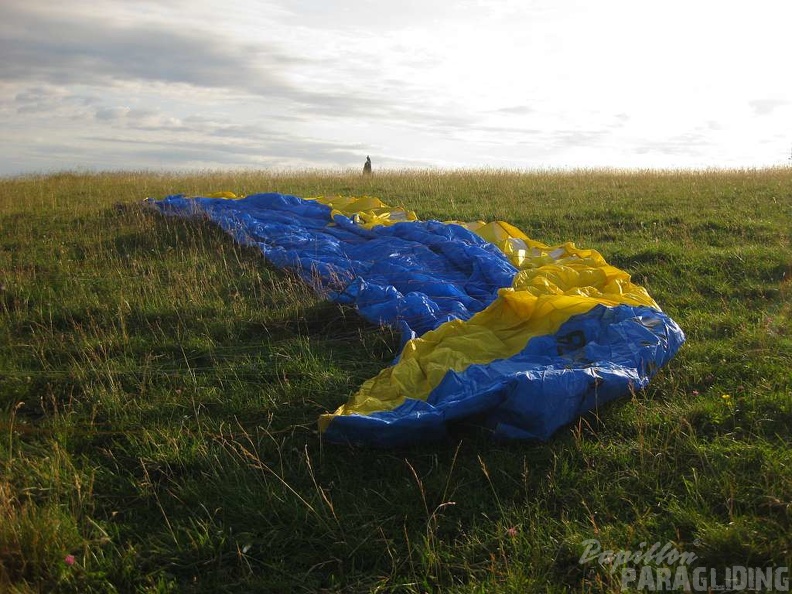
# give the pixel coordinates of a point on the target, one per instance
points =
(412, 276)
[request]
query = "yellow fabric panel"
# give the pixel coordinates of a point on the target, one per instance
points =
(494, 231)
(222, 195)
(561, 269)
(366, 211)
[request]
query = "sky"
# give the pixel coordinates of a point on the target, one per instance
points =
(94, 85)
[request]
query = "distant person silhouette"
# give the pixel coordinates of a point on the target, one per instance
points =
(367, 166)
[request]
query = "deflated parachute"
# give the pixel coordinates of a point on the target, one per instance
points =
(496, 326)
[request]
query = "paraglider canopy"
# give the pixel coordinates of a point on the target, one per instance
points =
(495, 325)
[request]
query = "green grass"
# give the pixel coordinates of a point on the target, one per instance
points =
(159, 390)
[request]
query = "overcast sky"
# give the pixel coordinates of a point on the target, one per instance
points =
(519, 84)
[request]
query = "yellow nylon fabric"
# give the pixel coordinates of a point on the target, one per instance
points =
(229, 195)
(366, 211)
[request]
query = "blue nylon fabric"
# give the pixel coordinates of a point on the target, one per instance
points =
(593, 358)
(413, 276)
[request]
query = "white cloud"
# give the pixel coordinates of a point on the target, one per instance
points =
(767, 106)
(106, 83)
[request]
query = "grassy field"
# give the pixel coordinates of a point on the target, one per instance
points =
(160, 385)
